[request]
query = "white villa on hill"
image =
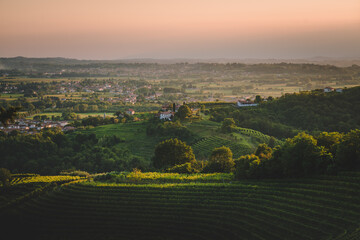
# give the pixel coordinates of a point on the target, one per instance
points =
(166, 115)
(246, 103)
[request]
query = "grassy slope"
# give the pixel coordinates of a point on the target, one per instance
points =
(134, 135)
(325, 207)
(142, 145)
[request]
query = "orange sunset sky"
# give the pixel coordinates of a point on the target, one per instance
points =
(116, 29)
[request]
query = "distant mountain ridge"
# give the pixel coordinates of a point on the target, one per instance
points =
(340, 62)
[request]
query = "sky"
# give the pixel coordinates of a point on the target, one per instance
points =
(123, 29)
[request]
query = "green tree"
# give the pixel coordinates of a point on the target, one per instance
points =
(8, 115)
(172, 152)
(68, 115)
(184, 112)
(228, 125)
(329, 140)
(245, 166)
(272, 142)
(348, 151)
(263, 151)
(301, 156)
(221, 160)
(258, 99)
(5, 176)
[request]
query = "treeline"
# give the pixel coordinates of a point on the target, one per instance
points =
(51, 151)
(301, 156)
(41, 65)
(310, 111)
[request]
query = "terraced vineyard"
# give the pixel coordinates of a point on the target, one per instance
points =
(326, 207)
(204, 147)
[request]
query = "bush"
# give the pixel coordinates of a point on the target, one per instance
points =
(348, 151)
(182, 168)
(172, 152)
(220, 160)
(228, 125)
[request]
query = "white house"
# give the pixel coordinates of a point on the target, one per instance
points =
(328, 89)
(130, 111)
(166, 115)
(339, 90)
(246, 103)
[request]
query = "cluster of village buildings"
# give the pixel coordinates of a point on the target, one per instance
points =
(122, 93)
(166, 113)
(32, 126)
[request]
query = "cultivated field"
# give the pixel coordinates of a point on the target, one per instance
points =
(325, 207)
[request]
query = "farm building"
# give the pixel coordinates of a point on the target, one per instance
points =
(246, 103)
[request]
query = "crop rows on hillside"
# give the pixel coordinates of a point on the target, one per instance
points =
(321, 208)
(257, 135)
(204, 147)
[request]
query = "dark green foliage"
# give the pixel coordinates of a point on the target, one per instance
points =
(220, 160)
(5, 176)
(51, 151)
(95, 121)
(285, 116)
(300, 156)
(8, 115)
(348, 151)
(254, 165)
(258, 99)
(272, 142)
(170, 129)
(329, 140)
(172, 152)
(68, 115)
(184, 112)
(263, 151)
(247, 167)
(228, 125)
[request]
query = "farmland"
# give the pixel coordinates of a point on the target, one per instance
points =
(323, 207)
(207, 133)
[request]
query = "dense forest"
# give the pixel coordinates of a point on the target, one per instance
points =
(51, 151)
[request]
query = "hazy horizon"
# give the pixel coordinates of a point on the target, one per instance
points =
(199, 29)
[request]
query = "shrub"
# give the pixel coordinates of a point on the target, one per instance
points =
(220, 160)
(182, 168)
(172, 152)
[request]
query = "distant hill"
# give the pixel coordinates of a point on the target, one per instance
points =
(272, 66)
(339, 62)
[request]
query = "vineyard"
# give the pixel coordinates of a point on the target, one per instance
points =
(204, 147)
(157, 177)
(257, 135)
(25, 186)
(325, 207)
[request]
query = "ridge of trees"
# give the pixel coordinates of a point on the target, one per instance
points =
(286, 116)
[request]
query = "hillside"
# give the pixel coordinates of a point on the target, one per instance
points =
(305, 111)
(205, 136)
(325, 207)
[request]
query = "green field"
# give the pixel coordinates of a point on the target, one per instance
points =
(324, 207)
(207, 132)
(134, 136)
